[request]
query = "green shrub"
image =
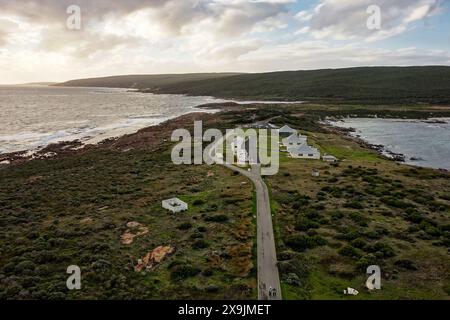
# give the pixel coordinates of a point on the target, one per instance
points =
(406, 264)
(198, 202)
(359, 219)
(359, 243)
(349, 251)
(366, 261)
(217, 218)
(182, 272)
(185, 226)
(200, 244)
(305, 224)
(382, 250)
(301, 242)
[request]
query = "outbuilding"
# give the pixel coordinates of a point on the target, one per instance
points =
(175, 205)
(329, 158)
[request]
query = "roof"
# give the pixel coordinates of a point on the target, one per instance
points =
(304, 148)
(287, 129)
(296, 138)
(327, 156)
(174, 202)
(262, 125)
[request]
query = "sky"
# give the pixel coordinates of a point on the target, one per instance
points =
(41, 41)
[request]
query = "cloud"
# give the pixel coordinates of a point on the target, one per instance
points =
(344, 19)
(109, 24)
(320, 54)
(6, 28)
(171, 36)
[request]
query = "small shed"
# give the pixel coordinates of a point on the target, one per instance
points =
(329, 158)
(175, 205)
(315, 173)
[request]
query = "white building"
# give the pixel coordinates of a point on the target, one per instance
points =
(294, 140)
(304, 151)
(286, 131)
(329, 158)
(238, 144)
(175, 205)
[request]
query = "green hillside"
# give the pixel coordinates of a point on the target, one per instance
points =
(362, 85)
(376, 84)
(143, 81)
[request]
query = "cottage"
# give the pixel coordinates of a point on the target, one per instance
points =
(329, 158)
(175, 205)
(286, 131)
(294, 140)
(304, 151)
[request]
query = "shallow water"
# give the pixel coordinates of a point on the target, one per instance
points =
(424, 144)
(35, 116)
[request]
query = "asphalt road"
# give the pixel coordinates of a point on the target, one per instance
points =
(268, 276)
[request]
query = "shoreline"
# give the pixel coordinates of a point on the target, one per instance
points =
(149, 137)
(153, 136)
(380, 149)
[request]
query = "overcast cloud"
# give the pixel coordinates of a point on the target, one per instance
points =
(162, 36)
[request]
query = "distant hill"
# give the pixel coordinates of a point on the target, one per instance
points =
(38, 84)
(151, 82)
(358, 85)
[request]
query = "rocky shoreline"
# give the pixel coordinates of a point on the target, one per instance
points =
(150, 138)
(380, 149)
(350, 133)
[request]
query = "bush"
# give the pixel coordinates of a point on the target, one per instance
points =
(336, 215)
(200, 244)
(304, 224)
(25, 266)
(354, 205)
(298, 265)
(182, 272)
(359, 219)
(359, 243)
(406, 264)
(217, 218)
(366, 261)
(301, 242)
(349, 251)
(383, 250)
(185, 226)
(198, 202)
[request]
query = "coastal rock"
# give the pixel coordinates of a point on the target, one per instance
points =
(153, 258)
(135, 230)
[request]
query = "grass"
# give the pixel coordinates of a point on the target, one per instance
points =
(375, 220)
(56, 213)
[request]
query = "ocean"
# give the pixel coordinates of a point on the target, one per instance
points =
(32, 117)
(423, 143)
